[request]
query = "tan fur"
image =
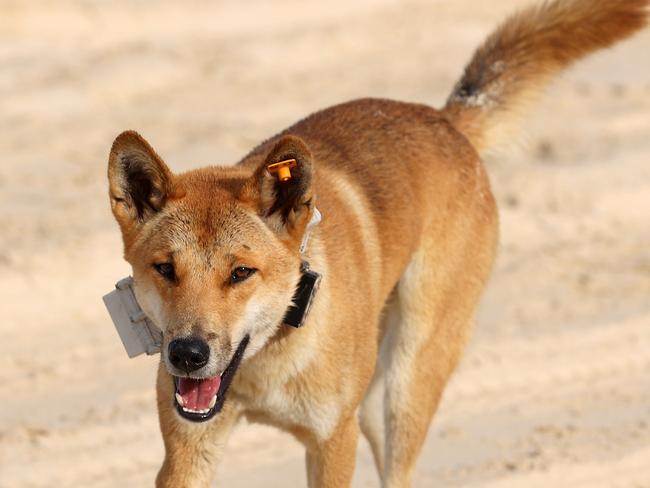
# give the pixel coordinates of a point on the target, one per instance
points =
(406, 244)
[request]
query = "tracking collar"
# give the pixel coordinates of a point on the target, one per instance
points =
(308, 284)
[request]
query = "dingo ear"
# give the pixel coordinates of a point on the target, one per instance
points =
(286, 204)
(139, 181)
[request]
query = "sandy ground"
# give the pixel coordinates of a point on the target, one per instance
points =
(555, 387)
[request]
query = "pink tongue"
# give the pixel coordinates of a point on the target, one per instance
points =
(198, 393)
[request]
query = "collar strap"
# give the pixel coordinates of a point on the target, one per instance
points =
(316, 217)
(309, 280)
(303, 297)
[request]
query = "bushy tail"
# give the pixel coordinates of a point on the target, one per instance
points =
(514, 65)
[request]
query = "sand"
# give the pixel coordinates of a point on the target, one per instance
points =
(554, 389)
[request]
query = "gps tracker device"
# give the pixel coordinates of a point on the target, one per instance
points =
(138, 334)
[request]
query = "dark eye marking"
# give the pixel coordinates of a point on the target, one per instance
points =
(166, 270)
(240, 274)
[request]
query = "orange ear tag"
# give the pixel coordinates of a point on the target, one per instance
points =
(282, 169)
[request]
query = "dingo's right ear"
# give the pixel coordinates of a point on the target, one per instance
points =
(139, 181)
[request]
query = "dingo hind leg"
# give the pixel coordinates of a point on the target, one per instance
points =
(371, 411)
(437, 295)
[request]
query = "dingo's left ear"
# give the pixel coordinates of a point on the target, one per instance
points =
(286, 199)
(139, 181)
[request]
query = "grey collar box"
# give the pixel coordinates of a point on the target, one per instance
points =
(138, 334)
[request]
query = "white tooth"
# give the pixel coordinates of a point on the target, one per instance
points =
(213, 402)
(179, 399)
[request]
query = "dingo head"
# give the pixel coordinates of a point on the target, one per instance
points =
(215, 257)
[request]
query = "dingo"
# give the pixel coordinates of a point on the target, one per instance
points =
(405, 245)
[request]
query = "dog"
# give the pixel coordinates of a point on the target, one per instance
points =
(354, 324)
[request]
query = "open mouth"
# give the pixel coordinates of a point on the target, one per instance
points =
(199, 399)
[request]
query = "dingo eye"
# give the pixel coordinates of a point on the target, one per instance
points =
(240, 274)
(166, 270)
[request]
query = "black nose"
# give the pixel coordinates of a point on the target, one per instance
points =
(188, 353)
